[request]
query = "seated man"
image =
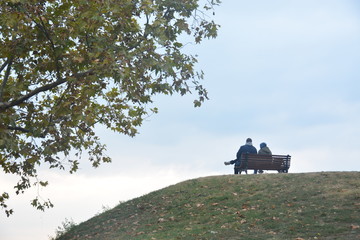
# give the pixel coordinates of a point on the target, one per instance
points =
(247, 148)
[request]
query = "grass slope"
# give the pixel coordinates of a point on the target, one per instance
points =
(268, 206)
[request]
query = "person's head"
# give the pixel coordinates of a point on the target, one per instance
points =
(262, 145)
(248, 140)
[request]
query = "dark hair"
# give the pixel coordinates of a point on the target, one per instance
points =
(248, 140)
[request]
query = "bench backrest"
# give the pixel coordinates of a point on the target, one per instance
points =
(265, 162)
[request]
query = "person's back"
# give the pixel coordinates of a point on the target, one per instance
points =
(264, 149)
(247, 148)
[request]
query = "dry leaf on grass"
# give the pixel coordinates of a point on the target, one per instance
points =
(354, 226)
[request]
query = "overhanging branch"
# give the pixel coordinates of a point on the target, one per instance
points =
(18, 129)
(6, 105)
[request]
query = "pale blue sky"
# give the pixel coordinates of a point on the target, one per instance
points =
(283, 72)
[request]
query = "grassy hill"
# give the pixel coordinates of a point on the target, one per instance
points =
(268, 206)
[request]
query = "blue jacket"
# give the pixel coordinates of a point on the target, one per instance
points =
(243, 149)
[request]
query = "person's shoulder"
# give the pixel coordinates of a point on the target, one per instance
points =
(254, 149)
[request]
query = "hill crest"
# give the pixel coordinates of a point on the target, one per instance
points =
(323, 205)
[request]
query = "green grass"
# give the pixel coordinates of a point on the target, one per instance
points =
(268, 206)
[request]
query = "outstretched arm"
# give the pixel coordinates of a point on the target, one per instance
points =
(230, 162)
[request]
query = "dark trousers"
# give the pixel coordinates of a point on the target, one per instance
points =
(237, 171)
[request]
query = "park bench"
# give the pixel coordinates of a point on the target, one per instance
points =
(280, 163)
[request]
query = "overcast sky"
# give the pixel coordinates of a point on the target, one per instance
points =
(281, 72)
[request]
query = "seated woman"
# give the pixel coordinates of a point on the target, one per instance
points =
(265, 151)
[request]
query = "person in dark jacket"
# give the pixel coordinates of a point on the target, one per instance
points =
(247, 148)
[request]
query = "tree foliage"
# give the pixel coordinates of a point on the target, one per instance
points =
(69, 65)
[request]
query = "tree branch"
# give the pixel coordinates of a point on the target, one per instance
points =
(18, 129)
(6, 77)
(41, 26)
(6, 105)
(4, 64)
